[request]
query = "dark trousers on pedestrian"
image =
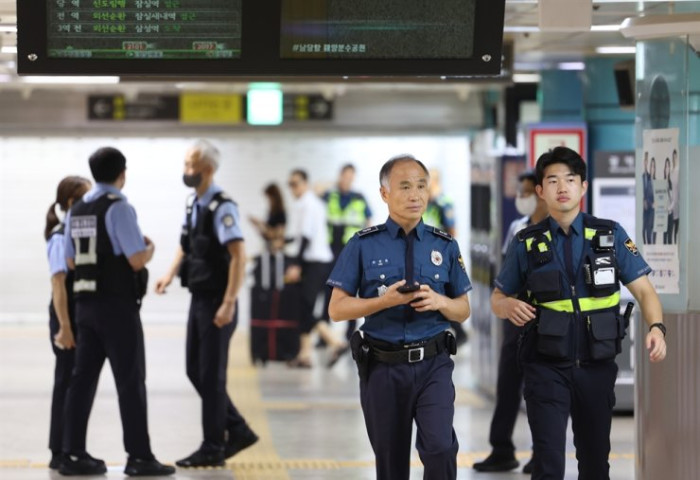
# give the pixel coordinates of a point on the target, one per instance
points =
(587, 393)
(509, 393)
(207, 362)
(108, 328)
(313, 279)
(395, 395)
(65, 359)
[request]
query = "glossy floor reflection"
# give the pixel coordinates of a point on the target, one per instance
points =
(309, 421)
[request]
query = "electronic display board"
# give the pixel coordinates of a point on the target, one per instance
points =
(260, 38)
(144, 29)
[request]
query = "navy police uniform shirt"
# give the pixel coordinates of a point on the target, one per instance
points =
(227, 222)
(630, 263)
(374, 259)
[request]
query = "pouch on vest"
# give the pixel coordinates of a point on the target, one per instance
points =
(604, 335)
(601, 274)
(554, 337)
(545, 286)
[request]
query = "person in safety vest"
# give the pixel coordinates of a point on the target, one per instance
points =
(561, 281)
(347, 213)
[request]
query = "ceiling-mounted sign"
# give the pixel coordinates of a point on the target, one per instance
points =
(144, 107)
(211, 108)
(307, 107)
(264, 39)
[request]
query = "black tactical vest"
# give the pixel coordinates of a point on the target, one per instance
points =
(97, 269)
(206, 263)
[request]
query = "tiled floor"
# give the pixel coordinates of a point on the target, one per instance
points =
(310, 423)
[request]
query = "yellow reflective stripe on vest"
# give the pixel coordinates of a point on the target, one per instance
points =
(592, 303)
(587, 304)
(542, 247)
(589, 233)
(352, 217)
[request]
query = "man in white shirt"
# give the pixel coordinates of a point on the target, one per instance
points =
(311, 265)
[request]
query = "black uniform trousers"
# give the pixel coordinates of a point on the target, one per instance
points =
(509, 393)
(207, 362)
(65, 359)
(587, 394)
(109, 327)
(395, 395)
(313, 280)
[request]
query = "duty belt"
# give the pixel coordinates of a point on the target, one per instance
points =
(410, 353)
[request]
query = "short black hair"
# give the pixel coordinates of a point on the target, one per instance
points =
(302, 173)
(528, 175)
(106, 164)
(560, 155)
(385, 172)
(347, 166)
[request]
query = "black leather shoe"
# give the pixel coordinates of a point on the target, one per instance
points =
(136, 467)
(528, 467)
(497, 463)
(239, 441)
(203, 458)
(55, 462)
(81, 464)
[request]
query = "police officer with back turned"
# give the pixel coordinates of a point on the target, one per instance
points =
(410, 281)
(105, 247)
(211, 263)
(571, 265)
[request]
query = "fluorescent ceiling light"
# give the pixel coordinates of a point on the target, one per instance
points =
(615, 50)
(571, 66)
(70, 80)
(535, 28)
(9, 49)
(605, 28)
(527, 77)
(8, 29)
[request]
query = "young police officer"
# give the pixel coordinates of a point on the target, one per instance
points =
(410, 280)
(105, 247)
(211, 263)
(570, 266)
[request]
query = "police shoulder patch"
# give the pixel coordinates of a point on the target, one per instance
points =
(461, 263)
(369, 230)
(228, 220)
(631, 247)
(441, 233)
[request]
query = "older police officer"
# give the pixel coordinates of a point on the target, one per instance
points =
(105, 247)
(570, 266)
(211, 263)
(410, 281)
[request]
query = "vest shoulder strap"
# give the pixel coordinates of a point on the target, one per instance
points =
(533, 230)
(219, 199)
(597, 223)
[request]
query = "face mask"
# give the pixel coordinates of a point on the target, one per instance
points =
(192, 180)
(526, 205)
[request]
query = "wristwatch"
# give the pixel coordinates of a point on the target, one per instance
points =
(660, 326)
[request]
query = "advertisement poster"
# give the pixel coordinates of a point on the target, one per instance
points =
(660, 204)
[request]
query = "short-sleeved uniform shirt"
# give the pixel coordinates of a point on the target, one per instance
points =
(630, 263)
(56, 251)
(227, 221)
(120, 221)
(374, 259)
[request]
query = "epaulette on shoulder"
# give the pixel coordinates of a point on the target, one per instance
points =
(113, 196)
(370, 230)
(218, 199)
(440, 233)
(531, 231)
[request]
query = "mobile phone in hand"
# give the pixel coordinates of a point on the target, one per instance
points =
(408, 288)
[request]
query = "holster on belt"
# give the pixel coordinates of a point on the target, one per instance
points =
(360, 349)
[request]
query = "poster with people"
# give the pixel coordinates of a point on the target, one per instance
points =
(660, 208)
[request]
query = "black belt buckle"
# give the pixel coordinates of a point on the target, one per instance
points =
(416, 354)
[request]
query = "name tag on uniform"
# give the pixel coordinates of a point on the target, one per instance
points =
(83, 226)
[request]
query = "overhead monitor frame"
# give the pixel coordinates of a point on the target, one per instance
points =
(261, 51)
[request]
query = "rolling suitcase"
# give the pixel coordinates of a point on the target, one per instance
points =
(274, 324)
